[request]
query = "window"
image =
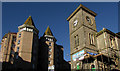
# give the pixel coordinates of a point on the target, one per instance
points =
(49, 49)
(13, 45)
(49, 55)
(34, 58)
(93, 67)
(12, 52)
(49, 62)
(22, 29)
(17, 49)
(49, 39)
(17, 56)
(14, 38)
(11, 59)
(49, 44)
(29, 29)
(91, 38)
(112, 41)
(19, 35)
(76, 40)
(18, 41)
(33, 66)
(78, 66)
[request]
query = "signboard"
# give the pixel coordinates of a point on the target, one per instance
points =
(51, 67)
(92, 53)
(82, 57)
(78, 55)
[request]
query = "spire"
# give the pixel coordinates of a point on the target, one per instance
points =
(48, 32)
(29, 21)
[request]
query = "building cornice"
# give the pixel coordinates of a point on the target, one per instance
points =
(81, 7)
(108, 31)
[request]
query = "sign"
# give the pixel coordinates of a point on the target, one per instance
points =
(92, 53)
(82, 57)
(77, 55)
(51, 67)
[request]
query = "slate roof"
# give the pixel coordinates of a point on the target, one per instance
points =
(48, 32)
(29, 21)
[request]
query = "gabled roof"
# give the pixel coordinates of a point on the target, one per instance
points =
(108, 31)
(48, 32)
(29, 21)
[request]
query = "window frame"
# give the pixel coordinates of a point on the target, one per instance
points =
(18, 41)
(91, 39)
(76, 40)
(19, 35)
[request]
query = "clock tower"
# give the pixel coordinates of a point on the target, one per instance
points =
(82, 28)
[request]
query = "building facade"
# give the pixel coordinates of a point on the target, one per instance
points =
(30, 52)
(8, 50)
(90, 49)
(27, 45)
(51, 54)
(8, 47)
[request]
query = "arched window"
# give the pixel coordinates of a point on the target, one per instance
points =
(93, 67)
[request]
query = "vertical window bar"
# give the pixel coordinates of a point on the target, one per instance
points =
(75, 40)
(90, 37)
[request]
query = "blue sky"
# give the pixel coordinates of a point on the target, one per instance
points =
(54, 15)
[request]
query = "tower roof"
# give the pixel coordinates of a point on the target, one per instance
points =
(81, 7)
(29, 21)
(48, 32)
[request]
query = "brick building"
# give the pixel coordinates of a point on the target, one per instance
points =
(51, 53)
(23, 51)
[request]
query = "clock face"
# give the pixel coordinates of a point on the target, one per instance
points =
(75, 23)
(88, 19)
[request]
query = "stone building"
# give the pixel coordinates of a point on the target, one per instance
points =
(90, 49)
(30, 52)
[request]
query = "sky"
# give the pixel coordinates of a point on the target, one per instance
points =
(54, 15)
